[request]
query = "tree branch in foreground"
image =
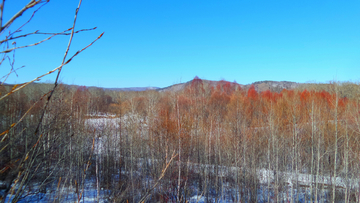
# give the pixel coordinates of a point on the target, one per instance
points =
(143, 199)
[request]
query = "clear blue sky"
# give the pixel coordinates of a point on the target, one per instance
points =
(160, 43)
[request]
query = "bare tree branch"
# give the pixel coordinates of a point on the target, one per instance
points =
(17, 87)
(31, 4)
(12, 70)
(28, 163)
(7, 75)
(30, 45)
(1, 12)
(31, 17)
(70, 40)
(143, 199)
(45, 33)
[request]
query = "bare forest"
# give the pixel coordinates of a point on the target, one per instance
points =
(203, 142)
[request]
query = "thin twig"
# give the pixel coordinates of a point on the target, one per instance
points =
(78, 52)
(31, 4)
(3, 59)
(45, 33)
(30, 45)
(1, 12)
(70, 40)
(7, 75)
(12, 70)
(17, 88)
(143, 199)
(31, 17)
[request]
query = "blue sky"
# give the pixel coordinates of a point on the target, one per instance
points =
(160, 43)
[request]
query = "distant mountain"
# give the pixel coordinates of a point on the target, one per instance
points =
(346, 89)
(276, 86)
(135, 89)
(174, 88)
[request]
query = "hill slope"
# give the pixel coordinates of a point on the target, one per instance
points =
(260, 86)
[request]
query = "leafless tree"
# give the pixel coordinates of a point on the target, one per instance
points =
(25, 165)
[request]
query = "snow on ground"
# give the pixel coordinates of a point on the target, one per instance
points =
(101, 121)
(197, 198)
(305, 179)
(263, 174)
(65, 195)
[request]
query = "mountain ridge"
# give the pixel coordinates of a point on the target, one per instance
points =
(260, 86)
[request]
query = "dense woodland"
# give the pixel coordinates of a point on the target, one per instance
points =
(201, 141)
(219, 142)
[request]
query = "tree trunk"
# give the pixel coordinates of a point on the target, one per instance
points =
(335, 145)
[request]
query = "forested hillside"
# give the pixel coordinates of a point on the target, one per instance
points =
(206, 142)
